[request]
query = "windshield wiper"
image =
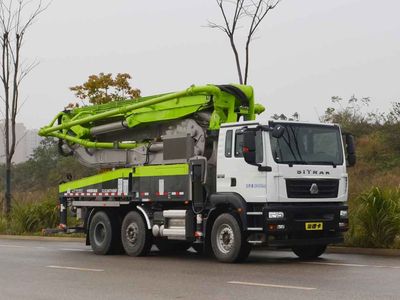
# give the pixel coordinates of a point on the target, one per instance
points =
(296, 142)
(295, 162)
(287, 141)
(324, 163)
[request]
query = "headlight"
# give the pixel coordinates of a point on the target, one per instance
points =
(343, 214)
(276, 215)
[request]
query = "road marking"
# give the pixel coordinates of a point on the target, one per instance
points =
(273, 285)
(45, 248)
(75, 269)
(11, 246)
(349, 265)
(76, 249)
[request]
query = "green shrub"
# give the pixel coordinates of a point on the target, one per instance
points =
(375, 219)
(3, 225)
(33, 216)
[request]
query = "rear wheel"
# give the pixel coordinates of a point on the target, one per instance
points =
(101, 235)
(135, 237)
(309, 251)
(227, 240)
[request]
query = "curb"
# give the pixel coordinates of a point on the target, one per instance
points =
(42, 238)
(363, 251)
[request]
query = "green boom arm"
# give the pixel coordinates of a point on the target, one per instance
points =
(226, 102)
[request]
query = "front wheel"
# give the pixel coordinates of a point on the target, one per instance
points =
(227, 240)
(309, 251)
(135, 237)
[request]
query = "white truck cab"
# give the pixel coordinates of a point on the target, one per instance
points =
(292, 177)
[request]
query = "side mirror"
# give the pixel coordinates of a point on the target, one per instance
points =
(351, 150)
(278, 131)
(249, 147)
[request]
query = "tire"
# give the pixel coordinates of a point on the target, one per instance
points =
(101, 234)
(227, 240)
(309, 251)
(135, 237)
(168, 246)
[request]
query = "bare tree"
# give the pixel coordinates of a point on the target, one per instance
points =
(16, 17)
(248, 12)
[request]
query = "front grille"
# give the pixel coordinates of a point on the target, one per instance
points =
(301, 188)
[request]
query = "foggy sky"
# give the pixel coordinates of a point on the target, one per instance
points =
(305, 52)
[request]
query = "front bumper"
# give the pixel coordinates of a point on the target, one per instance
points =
(291, 229)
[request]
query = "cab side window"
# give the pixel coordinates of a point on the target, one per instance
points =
(259, 148)
(228, 143)
(238, 144)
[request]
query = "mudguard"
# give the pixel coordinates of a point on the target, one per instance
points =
(233, 200)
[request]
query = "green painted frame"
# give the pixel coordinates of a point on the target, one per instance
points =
(141, 171)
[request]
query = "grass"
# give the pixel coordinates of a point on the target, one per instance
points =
(30, 213)
(33, 211)
(365, 176)
(375, 219)
(3, 225)
(33, 216)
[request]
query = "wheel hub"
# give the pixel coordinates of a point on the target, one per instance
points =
(99, 233)
(225, 238)
(131, 233)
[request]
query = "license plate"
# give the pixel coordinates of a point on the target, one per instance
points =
(314, 226)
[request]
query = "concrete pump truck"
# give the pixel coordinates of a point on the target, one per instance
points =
(194, 169)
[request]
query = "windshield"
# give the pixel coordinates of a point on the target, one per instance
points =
(308, 144)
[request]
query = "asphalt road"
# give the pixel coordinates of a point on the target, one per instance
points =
(69, 270)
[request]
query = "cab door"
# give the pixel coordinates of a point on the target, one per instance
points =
(234, 174)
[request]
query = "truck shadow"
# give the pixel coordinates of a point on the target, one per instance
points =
(256, 257)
